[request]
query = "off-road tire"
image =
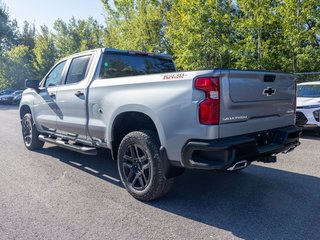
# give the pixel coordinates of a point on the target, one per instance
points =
(30, 133)
(139, 152)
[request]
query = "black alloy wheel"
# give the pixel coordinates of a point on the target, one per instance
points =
(30, 133)
(136, 168)
(141, 169)
(27, 131)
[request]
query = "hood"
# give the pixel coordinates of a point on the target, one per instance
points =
(304, 101)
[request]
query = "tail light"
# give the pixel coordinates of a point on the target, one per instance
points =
(209, 109)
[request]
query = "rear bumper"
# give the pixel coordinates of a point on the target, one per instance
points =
(223, 153)
(310, 126)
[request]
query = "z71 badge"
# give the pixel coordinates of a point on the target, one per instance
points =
(173, 76)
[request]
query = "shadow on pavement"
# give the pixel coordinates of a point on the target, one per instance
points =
(310, 134)
(101, 165)
(257, 203)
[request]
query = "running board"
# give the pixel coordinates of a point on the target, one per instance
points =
(72, 147)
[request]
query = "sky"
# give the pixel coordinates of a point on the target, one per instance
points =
(42, 12)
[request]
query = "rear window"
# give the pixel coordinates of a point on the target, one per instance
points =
(309, 91)
(78, 69)
(123, 65)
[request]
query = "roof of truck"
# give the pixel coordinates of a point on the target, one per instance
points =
(159, 55)
(162, 55)
(310, 83)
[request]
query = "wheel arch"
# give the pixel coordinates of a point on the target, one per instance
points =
(130, 121)
(23, 110)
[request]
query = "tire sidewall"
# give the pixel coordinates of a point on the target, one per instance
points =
(35, 142)
(28, 117)
(144, 141)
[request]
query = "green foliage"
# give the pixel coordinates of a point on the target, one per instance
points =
(16, 53)
(4, 82)
(300, 22)
(257, 35)
(244, 34)
(8, 30)
(17, 67)
(45, 52)
(200, 33)
(136, 25)
(4, 25)
(77, 36)
(27, 36)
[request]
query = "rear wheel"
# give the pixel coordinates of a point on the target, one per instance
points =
(140, 166)
(30, 133)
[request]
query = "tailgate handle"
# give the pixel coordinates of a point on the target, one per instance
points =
(269, 78)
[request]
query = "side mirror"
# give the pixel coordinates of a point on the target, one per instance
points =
(34, 84)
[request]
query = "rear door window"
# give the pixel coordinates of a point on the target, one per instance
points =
(78, 69)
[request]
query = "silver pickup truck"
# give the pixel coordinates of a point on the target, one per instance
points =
(157, 121)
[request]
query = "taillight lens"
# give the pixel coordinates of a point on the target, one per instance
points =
(209, 109)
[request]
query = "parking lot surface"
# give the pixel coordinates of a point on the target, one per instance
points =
(58, 194)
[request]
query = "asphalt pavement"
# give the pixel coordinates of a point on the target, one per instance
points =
(58, 194)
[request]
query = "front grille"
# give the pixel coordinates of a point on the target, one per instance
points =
(301, 119)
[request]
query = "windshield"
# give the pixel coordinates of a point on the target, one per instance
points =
(122, 65)
(312, 91)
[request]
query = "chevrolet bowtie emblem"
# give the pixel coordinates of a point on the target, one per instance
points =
(269, 91)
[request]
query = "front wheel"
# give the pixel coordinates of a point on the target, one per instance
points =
(30, 133)
(140, 167)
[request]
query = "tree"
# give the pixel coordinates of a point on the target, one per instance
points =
(200, 33)
(300, 23)
(28, 35)
(258, 35)
(91, 34)
(17, 67)
(136, 25)
(44, 51)
(77, 36)
(8, 30)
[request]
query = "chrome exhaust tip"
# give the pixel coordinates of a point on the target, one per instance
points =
(289, 150)
(238, 165)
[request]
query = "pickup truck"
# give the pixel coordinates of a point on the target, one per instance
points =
(157, 121)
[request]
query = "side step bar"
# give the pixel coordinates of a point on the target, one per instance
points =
(60, 143)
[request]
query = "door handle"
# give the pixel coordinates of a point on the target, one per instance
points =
(79, 94)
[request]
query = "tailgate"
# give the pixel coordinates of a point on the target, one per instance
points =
(254, 101)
